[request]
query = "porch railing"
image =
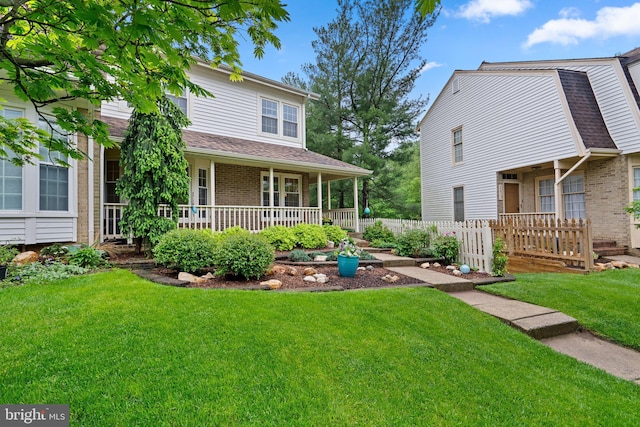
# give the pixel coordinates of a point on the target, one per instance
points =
(527, 217)
(345, 218)
(218, 218)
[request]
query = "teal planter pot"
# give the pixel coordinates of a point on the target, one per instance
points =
(347, 265)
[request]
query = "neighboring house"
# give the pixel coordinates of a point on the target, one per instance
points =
(248, 165)
(552, 139)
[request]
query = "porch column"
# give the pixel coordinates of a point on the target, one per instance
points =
(212, 175)
(329, 195)
(319, 185)
(355, 204)
(101, 218)
(557, 190)
(271, 195)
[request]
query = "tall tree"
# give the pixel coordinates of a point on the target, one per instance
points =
(154, 172)
(367, 62)
(54, 51)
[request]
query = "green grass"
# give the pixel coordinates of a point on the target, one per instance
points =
(123, 351)
(607, 303)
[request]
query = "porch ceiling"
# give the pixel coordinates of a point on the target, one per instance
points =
(254, 153)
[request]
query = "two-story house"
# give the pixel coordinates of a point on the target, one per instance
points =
(248, 164)
(556, 139)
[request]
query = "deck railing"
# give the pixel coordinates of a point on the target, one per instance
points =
(345, 218)
(526, 217)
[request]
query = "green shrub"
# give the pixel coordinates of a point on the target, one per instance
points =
(87, 257)
(310, 236)
(244, 255)
(364, 255)
(221, 236)
(414, 243)
(7, 254)
(298, 255)
(500, 259)
(280, 237)
(185, 250)
(334, 233)
(377, 231)
(56, 251)
(379, 243)
(446, 247)
(37, 272)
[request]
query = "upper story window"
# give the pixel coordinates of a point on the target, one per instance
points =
(278, 115)
(269, 116)
(54, 179)
(10, 174)
(180, 101)
(457, 146)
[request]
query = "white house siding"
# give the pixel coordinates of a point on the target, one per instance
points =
(608, 83)
(234, 111)
(508, 121)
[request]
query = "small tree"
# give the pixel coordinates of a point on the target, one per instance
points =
(154, 172)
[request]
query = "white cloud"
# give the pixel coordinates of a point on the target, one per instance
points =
(484, 10)
(569, 12)
(609, 22)
(430, 65)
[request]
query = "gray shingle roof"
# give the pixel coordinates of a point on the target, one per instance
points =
(584, 110)
(239, 149)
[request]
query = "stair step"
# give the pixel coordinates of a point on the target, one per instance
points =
(604, 252)
(604, 244)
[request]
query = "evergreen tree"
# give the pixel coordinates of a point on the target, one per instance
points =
(154, 172)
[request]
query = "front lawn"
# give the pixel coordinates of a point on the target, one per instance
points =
(607, 303)
(124, 351)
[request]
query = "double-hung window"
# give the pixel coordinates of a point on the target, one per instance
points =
(636, 184)
(458, 204)
(54, 179)
(180, 101)
(546, 195)
(290, 121)
(269, 116)
(573, 195)
(10, 174)
(457, 146)
(279, 118)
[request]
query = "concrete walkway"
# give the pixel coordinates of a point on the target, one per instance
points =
(551, 327)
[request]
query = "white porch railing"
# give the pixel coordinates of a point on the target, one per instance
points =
(218, 218)
(345, 218)
(528, 216)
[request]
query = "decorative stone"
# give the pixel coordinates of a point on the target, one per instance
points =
(273, 284)
(25, 258)
(187, 277)
(321, 278)
(465, 269)
(292, 271)
(279, 269)
(436, 264)
(425, 265)
(451, 267)
(208, 276)
(631, 265)
(330, 244)
(320, 258)
(361, 268)
(310, 279)
(390, 279)
(457, 272)
(310, 271)
(619, 264)
(370, 267)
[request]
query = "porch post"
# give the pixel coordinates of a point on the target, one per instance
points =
(212, 175)
(355, 204)
(557, 190)
(329, 195)
(101, 191)
(271, 195)
(319, 185)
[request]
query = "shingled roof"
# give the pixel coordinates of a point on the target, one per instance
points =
(237, 149)
(584, 109)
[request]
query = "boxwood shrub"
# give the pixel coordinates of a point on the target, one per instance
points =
(245, 256)
(414, 243)
(334, 233)
(310, 236)
(282, 238)
(185, 250)
(378, 231)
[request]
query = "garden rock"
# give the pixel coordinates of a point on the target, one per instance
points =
(321, 278)
(390, 279)
(278, 269)
(272, 284)
(320, 258)
(310, 271)
(209, 276)
(370, 267)
(309, 279)
(425, 265)
(457, 272)
(436, 264)
(187, 277)
(619, 264)
(330, 244)
(360, 268)
(451, 267)
(25, 258)
(292, 271)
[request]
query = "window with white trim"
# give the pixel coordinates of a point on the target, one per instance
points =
(112, 174)
(636, 184)
(457, 146)
(54, 179)
(573, 196)
(203, 188)
(546, 195)
(290, 121)
(458, 203)
(10, 174)
(289, 195)
(269, 116)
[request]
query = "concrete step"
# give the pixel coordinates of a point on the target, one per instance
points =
(389, 260)
(440, 281)
(535, 321)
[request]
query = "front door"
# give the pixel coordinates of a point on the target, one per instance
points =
(511, 198)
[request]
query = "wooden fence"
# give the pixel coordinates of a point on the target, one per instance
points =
(568, 241)
(475, 237)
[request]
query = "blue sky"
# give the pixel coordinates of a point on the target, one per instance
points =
(469, 32)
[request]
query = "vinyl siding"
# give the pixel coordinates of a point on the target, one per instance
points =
(508, 121)
(55, 230)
